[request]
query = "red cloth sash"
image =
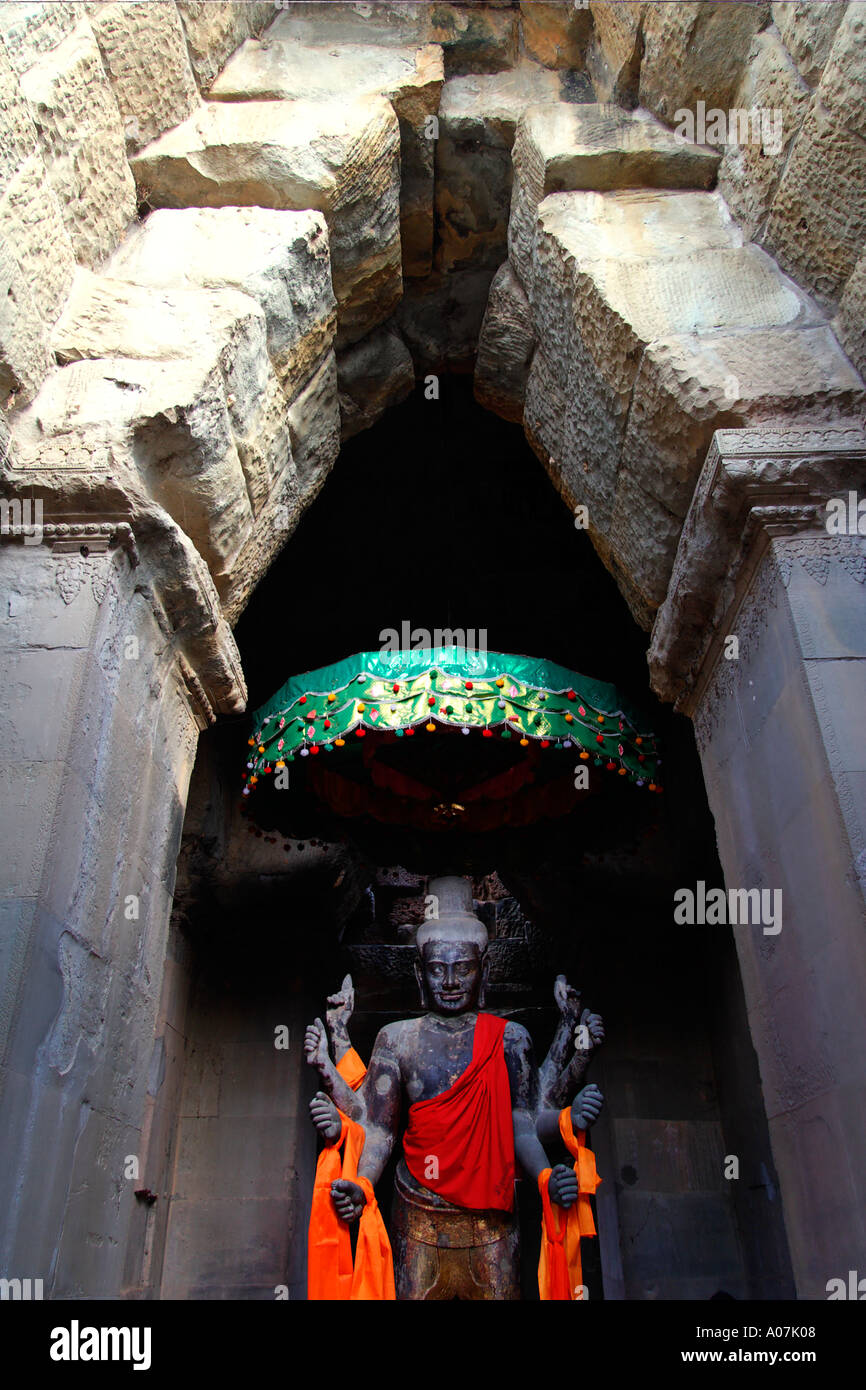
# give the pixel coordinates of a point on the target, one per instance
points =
(460, 1144)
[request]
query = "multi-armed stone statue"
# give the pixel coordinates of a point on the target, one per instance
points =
(477, 1108)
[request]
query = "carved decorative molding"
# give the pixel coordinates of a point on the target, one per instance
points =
(77, 570)
(756, 484)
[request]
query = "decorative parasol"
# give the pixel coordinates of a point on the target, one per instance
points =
(392, 695)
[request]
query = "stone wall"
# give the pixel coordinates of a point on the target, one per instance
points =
(790, 813)
(100, 727)
(778, 720)
(82, 85)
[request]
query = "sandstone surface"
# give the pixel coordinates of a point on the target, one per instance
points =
(29, 30)
(505, 347)
(371, 375)
(165, 424)
(807, 31)
(314, 426)
(411, 78)
(572, 147)
(695, 52)
(145, 55)
(556, 34)
(850, 324)
(25, 359)
(80, 133)
(279, 258)
(816, 227)
(478, 118)
(32, 225)
(214, 30)
(475, 38)
(615, 50)
(107, 318)
(750, 171)
(656, 325)
(341, 158)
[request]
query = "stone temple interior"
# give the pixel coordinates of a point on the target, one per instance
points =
(543, 321)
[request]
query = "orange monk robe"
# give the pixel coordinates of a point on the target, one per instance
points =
(330, 1271)
(352, 1069)
(560, 1273)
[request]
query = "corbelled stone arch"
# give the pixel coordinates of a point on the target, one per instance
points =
(390, 527)
(177, 386)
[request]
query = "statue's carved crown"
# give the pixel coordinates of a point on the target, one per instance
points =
(455, 919)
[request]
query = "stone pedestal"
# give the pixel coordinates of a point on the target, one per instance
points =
(762, 640)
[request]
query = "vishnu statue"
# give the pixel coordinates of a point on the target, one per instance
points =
(478, 1114)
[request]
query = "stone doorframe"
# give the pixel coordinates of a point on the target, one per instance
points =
(780, 718)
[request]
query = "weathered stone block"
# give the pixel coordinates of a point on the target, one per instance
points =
(215, 28)
(371, 375)
(842, 88)
(80, 133)
(695, 52)
(341, 158)
(17, 131)
(440, 319)
(264, 444)
(750, 170)
(28, 31)
(278, 258)
(505, 347)
(411, 78)
(559, 148)
(170, 423)
(615, 50)
(478, 118)
(25, 360)
(850, 324)
(816, 226)
(144, 52)
(556, 34)
(686, 388)
(314, 424)
(807, 32)
(624, 286)
(32, 224)
(475, 38)
(114, 318)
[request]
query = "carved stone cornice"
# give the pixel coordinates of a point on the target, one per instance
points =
(90, 499)
(755, 484)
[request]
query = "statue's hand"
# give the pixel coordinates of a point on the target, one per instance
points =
(567, 999)
(589, 1033)
(326, 1117)
(586, 1107)
(348, 1198)
(562, 1187)
(342, 1006)
(316, 1045)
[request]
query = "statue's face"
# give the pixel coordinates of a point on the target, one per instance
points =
(452, 974)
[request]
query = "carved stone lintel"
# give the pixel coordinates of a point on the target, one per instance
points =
(755, 485)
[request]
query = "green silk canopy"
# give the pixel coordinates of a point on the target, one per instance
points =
(494, 694)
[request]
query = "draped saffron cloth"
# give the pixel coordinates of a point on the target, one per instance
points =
(560, 1272)
(460, 1144)
(331, 1273)
(330, 1270)
(352, 1069)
